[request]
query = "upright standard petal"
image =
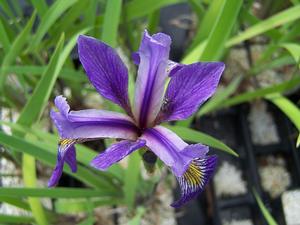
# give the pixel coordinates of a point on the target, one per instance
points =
(152, 73)
(195, 179)
(115, 153)
(91, 123)
(172, 67)
(189, 87)
(105, 70)
(66, 153)
(171, 149)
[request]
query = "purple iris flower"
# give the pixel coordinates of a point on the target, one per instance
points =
(189, 86)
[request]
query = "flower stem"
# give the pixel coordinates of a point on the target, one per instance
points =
(29, 176)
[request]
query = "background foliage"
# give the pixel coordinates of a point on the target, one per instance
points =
(39, 61)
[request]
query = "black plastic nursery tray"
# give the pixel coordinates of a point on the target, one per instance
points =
(232, 127)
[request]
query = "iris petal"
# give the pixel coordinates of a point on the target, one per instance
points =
(195, 178)
(66, 153)
(105, 70)
(115, 153)
(173, 67)
(85, 125)
(189, 87)
(152, 57)
(91, 123)
(171, 149)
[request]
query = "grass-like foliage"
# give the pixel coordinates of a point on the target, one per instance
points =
(38, 59)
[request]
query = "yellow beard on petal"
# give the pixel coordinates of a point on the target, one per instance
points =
(193, 175)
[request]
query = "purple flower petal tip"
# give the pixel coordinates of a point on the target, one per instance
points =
(194, 180)
(62, 105)
(56, 174)
(115, 153)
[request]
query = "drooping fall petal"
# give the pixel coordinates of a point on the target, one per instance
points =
(193, 181)
(171, 149)
(66, 153)
(115, 153)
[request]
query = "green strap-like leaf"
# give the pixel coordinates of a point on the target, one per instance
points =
(40, 6)
(15, 49)
(210, 49)
(294, 50)
(259, 93)
(52, 14)
(82, 205)
(49, 158)
(199, 137)
(264, 210)
(221, 31)
(131, 179)
(40, 96)
(136, 8)
(67, 74)
(111, 22)
(288, 108)
(4, 40)
(53, 192)
(205, 25)
(15, 202)
(280, 18)
(10, 219)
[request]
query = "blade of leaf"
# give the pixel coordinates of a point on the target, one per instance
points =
(197, 7)
(287, 107)
(15, 49)
(131, 179)
(83, 174)
(248, 96)
(136, 8)
(30, 180)
(111, 22)
(48, 142)
(53, 192)
(153, 21)
(15, 202)
(221, 31)
(4, 38)
(9, 219)
(209, 20)
(40, 6)
(264, 210)
(199, 137)
(225, 13)
(280, 18)
(81, 205)
(30, 114)
(294, 50)
(70, 17)
(52, 14)
(66, 73)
